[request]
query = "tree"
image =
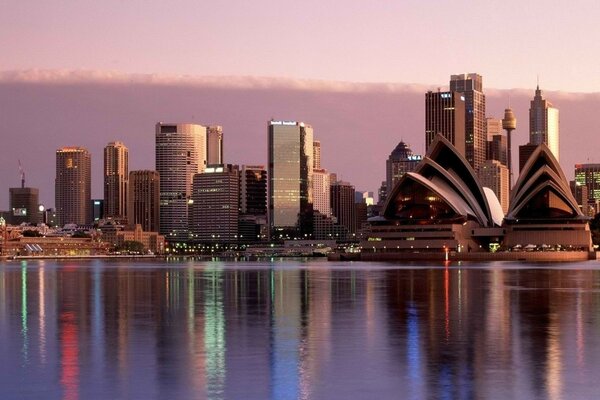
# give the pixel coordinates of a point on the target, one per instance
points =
(132, 246)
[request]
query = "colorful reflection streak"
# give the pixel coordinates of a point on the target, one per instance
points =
(298, 330)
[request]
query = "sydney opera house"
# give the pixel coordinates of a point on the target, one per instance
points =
(442, 209)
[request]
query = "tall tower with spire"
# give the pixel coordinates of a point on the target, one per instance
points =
(543, 123)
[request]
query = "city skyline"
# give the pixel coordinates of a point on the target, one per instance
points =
(128, 112)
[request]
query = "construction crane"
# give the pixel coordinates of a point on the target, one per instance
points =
(22, 172)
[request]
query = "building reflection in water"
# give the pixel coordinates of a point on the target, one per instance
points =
(255, 331)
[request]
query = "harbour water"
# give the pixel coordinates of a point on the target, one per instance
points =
(298, 329)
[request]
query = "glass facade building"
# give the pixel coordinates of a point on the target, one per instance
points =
(73, 185)
(544, 123)
(290, 169)
(116, 178)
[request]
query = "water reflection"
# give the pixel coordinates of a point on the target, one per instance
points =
(297, 331)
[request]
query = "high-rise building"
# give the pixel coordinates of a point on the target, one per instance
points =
(588, 175)
(253, 190)
(143, 199)
(471, 87)
(214, 145)
(97, 210)
(73, 185)
(580, 193)
(216, 204)
(497, 149)
(445, 114)
(116, 177)
(543, 123)
(321, 192)
(180, 154)
(290, 178)
(525, 151)
(24, 203)
(493, 126)
(342, 204)
(400, 161)
(494, 175)
(253, 225)
(316, 154)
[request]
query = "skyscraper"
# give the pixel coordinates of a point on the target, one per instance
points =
(471, 87)
(321, 192)
(143, 199)
(290, 178)
(316, 154)
(214, 145)
(116, 178)
(543, 123)
(445, 114)
(494, 175)
(253, 225)
(342, 205)
(588, 175)
(180, 154)
(216, 204)
(400, 161)
(73, 185)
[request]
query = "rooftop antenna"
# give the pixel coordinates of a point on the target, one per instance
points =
(22, 172)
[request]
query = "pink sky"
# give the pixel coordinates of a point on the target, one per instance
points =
(408, 41)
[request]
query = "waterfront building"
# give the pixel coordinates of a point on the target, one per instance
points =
(494, 175)
(445, 115)
(471, 87)
(440, 206)
(152, 241)
(342, 205)
(290, 155)
(214, 145)
(400, 161)
(180, 154)
(544, 123)
(216, 204)
(73, 185)
(24, 205)
(116, 178)
(143, 199)
(543, 211)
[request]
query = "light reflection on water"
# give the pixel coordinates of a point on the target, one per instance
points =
(298, 330)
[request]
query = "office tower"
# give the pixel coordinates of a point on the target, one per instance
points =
(97, 210)
(180, 154)
(471, 87)
(116, 176)
(24, 203)
(214, 145)
(361, 212)
(494, 175)
(342, 204)
(400, 161)
(253, 190)
(445, 114)
(253, 225)
(525, 151)
(290, 178)
(143, 199)
(49, 217)
(493, 126)
(580, 193)
(216, 204)
(497, 149)
(316, 154)
(382, 193)
(73, 185)
(589, 175)
(364, 197)
(543, 123)
(321, 192)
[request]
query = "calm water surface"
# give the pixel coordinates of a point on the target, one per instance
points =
(298, 330)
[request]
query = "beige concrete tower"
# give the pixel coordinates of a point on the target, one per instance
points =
(116, 178)
(73, 185)
(509, 124)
